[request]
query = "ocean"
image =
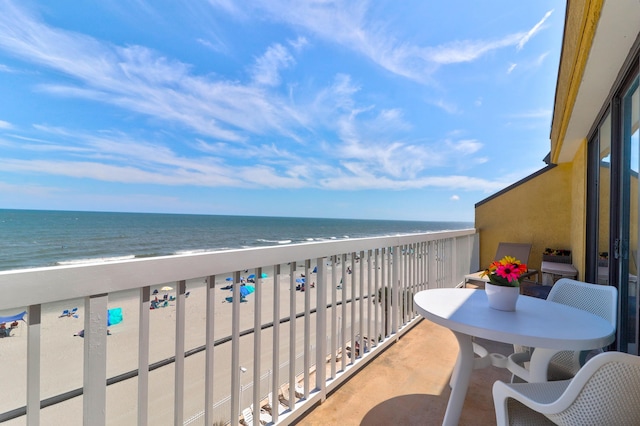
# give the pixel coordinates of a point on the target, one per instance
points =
(37, 238)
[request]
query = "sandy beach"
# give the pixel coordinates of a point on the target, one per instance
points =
(62, 351)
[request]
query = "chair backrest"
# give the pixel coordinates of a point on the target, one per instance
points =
(601, 300)
(518, 250)
(605, 391)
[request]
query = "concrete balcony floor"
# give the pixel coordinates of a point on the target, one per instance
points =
(408, 384)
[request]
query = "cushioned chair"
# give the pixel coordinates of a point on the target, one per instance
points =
(598, 299)
(606, 391)
(520, 251)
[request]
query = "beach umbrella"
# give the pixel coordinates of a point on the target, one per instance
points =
(299, 280)
(166, 288)
(246, 290)
(229, 279)
(252, 276)
(264, 275)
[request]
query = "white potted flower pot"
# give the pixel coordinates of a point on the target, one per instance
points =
(501, 297)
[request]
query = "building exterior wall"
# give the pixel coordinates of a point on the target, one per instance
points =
(536, 211)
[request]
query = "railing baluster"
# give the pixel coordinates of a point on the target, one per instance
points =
(235, 349)
(369, 298)
(334, 313)
(343, 326)
(275, 385)
(292, 336)
(210, 338)
(376, 322)
(257, 340)
(95, 360)
(33, 365)
(321, 327)
(143, 356)
(178, 412)
(361, 304)
(353, 307)
(307, 328)
(396, 272)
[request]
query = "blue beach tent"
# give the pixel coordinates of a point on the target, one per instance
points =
(114, 316)
(13, 318)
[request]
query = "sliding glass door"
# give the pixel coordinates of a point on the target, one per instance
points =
(626, 244)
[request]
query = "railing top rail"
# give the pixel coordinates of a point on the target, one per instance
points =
(26, 287)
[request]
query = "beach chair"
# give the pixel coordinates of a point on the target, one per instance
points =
(247, 417)
(520, 251)
(605, 391)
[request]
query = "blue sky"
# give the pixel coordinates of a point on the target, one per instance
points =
(412, 110)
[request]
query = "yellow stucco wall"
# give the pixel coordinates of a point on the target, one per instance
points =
(538, 211)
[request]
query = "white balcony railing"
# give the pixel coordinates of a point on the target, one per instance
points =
(224, 357)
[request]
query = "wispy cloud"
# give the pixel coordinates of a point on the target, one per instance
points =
(5, 125)
(267, 68)
(511, 68)
(350, 24)
(140, 80)
(539, 113)
(533, 31)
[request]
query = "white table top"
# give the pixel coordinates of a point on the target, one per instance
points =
(535, 322)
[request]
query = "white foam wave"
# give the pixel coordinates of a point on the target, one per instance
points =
(95, 260)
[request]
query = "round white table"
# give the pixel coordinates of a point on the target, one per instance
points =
(547, 326)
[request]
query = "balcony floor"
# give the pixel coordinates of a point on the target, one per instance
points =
(408, 385)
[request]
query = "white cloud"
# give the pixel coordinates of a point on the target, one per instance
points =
(533, 31)
(267, 67)
(140, 80)
(455, 198)
(299, 43)
(511, 68)
(348, 23)
(448, 107)
(5, 125)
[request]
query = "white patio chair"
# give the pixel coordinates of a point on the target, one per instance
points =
(598, 299)
(605, 391)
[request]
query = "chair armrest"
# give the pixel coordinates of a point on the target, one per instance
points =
(515, 364)
(539, 397)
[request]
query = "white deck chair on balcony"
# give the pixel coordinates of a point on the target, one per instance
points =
(606, 391)
(598, 299)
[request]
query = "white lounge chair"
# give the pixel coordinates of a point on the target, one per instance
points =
(247, 416)
(606, 391)
(598, 299)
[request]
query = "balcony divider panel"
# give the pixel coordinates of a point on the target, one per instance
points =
(257, 340)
